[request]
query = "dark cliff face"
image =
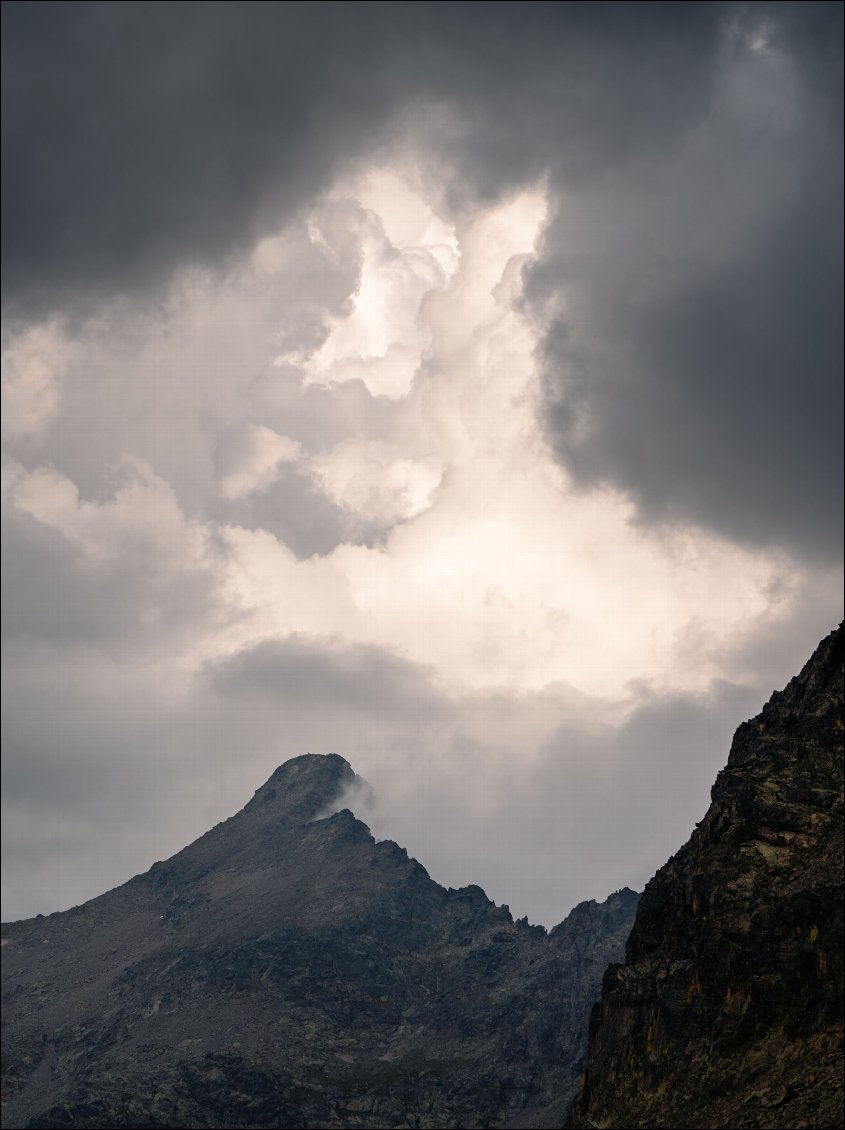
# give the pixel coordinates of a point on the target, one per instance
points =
(728, 1010)
(286, 970)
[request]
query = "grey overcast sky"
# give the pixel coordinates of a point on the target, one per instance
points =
(453, 386)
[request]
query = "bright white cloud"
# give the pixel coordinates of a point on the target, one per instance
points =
(496, 572)
(408, 254)
(408, 219)
(376, 482)
(533, 624)
(489, 568)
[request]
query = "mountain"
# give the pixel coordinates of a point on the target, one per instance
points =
(286, 970)
(728, 1010)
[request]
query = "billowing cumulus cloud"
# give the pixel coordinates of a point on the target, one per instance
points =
(457, 395)
(692, 273)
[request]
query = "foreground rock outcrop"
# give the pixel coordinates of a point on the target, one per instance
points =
(728, 1011)
(286, 970)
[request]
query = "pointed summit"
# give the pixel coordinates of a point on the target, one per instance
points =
(307, 785)
(270, 831)
(287, 970)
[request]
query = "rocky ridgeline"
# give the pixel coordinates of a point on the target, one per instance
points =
(289, 971)
(728, 1011)
(286, 970)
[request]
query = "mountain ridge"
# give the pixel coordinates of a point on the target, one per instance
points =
(289, 970)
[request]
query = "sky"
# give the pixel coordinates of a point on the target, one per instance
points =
(454, 387)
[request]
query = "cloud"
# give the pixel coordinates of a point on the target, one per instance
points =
(130, 573)
(692, 154)
(693, 352)
(162, 135)
(140, 138)
(543, 799)
(455, 395)
(531, 684)
(316, 672)
(296, 511)
(376, 481)
(253, 455)
(32, 362)
(533, 797)
(382, 341)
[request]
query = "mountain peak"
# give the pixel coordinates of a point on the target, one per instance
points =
(317, 766)
(287, 970)
(306, 786)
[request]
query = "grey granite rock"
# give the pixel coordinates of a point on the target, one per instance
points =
(287, 970)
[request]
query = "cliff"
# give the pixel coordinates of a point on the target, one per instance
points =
(728, 1011)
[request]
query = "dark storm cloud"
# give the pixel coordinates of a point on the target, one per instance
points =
(141, 136)
(698, 363)
(688, 287)
(307, 670)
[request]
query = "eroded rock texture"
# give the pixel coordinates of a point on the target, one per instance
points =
(287, 971)
(728, 1009)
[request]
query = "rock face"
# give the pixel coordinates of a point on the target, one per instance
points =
(728, 1010)
(286, 970)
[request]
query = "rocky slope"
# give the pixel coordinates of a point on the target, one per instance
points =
(728, 1009)
(289, 971)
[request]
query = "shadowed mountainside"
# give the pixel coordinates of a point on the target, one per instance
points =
(729, 1008)
(288, 971)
